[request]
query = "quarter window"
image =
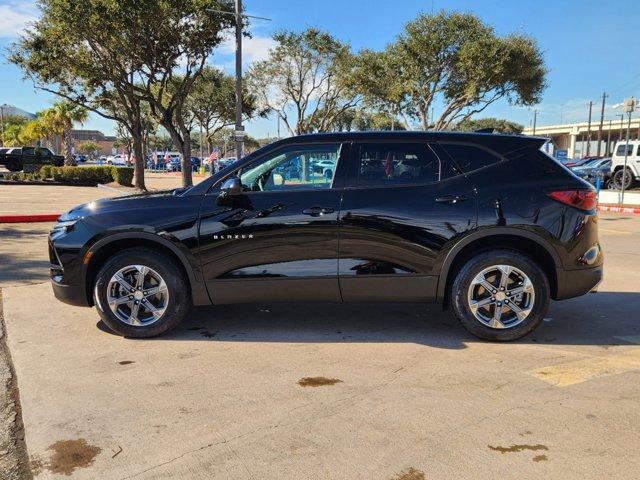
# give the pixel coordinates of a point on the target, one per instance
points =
(292, 168)
(384, 164)
(468, 157)
(620, 151)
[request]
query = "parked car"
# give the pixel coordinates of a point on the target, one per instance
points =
(476, 226)
(632, 175)
(14, 159)
(119, 160)
(590, 171)
(80, 158)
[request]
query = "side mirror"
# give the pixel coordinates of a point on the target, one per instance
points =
(231, 186)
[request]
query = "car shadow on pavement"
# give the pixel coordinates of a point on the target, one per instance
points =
(603, 319)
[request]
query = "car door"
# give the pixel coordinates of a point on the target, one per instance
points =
(402, 203)
(277, 240)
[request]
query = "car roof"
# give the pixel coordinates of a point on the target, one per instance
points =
(501, 143)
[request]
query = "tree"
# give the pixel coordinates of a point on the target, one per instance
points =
(497, 124)
(59, 120)
(89, 147)
(454, 59)
(114, 56)
(12, 125)
(303, 80)
(211, 103)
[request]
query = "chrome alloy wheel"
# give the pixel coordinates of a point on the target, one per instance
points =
(137, 295)
(501, 296)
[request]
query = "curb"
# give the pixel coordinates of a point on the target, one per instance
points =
(619, 209)
(43, 217)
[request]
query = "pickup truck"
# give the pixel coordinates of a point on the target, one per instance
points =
(15, 158)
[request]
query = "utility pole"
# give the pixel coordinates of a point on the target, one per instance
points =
(278, 127)
(606, 153)
(604, 96)
(589, 130)
(535, 120)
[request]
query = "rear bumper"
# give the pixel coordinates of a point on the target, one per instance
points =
(71, 294)
(574, 283)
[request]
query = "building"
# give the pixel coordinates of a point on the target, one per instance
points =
(574, 139)
(105, 141)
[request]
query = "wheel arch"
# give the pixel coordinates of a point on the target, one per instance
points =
(515, 239)
(103, 249)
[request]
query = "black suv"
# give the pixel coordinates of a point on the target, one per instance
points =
(485, 224)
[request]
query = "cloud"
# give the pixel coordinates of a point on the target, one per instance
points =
(253, 49)
(15, 15)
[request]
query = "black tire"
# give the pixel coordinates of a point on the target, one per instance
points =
(14, 165)
(619, 176)
(465, 276)
(178, 304)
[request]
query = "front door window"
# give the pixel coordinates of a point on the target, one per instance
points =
(292, 168)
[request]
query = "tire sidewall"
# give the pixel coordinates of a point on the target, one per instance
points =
(464, 277)
(179, 298)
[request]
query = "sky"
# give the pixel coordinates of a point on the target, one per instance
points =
(589, 47)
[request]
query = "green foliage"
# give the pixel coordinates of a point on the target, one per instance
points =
(89, 147)
(302, 80)
(83, 175)
(116, 56)
(452, 58)
(122, 175)
(498, 124)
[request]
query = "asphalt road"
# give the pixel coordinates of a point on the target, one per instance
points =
(331, 391)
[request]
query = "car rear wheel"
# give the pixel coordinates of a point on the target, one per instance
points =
(620, 178)
(141, 293)
(14, 165)
(500, 295)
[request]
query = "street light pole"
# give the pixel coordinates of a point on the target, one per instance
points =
(629, 106)
(535, 120)
(239, 134)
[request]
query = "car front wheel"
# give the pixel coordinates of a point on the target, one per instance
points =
(620, 178)
(141, 293)
(500, 295)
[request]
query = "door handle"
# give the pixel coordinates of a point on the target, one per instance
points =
(317, 211)
(451, 199)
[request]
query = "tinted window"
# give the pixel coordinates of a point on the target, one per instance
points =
(27, 150)
(468, 157)
(292, 168)
(620, 151)
(380, 164)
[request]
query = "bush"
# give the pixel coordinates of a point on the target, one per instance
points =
(86, 175)
(122, 175)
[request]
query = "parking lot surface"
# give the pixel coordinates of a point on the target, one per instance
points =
(332, 391)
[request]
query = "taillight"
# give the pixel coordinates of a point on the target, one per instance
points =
(582, 199)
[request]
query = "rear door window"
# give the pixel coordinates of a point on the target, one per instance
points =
(390, 164)
(469, 157)
(620, 151)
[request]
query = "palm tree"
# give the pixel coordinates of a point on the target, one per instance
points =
(59, 120)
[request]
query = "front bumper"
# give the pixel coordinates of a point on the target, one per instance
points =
(71, 294)
(574, 283)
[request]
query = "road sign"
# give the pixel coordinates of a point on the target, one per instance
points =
(561, 154)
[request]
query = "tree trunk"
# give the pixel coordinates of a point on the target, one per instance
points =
(138, 166)
(68, 154)
(187, 173)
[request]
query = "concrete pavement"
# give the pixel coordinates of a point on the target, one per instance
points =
(402, 390)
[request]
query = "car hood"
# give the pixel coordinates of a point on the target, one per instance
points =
(123, 203)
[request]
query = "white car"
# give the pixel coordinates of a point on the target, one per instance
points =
(632, 150)
(118, 160)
